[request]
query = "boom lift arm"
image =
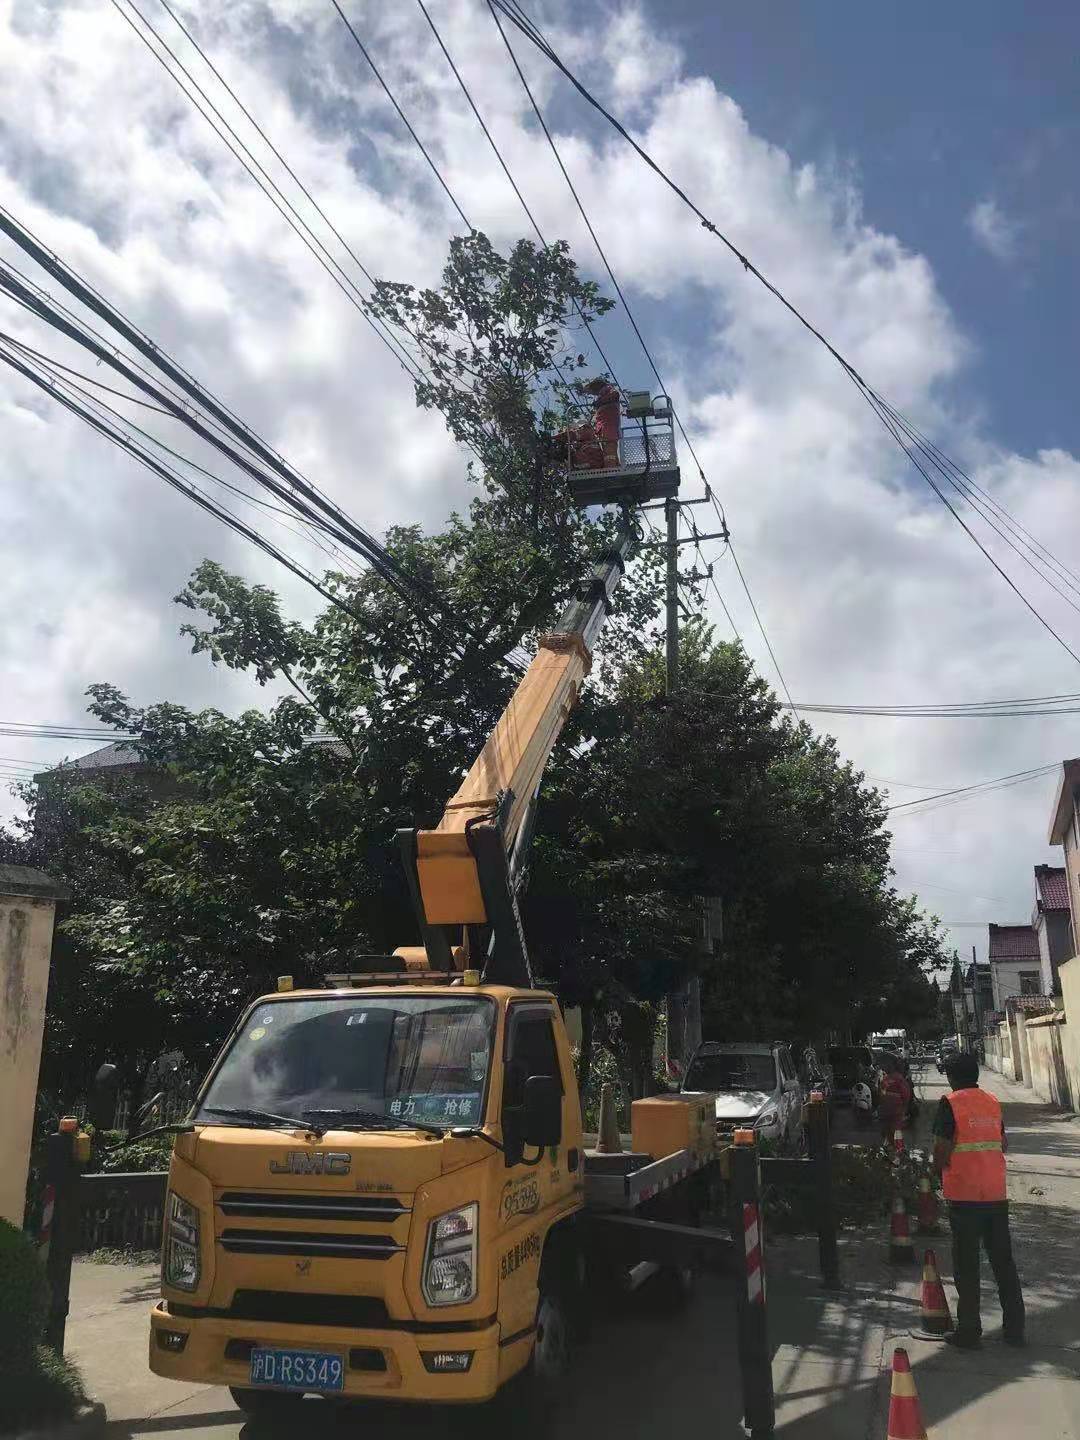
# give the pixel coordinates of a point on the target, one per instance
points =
(466, 871)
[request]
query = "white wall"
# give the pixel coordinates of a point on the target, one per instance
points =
(1005, 975)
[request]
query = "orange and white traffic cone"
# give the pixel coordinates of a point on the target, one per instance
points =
(927, 1208)
(901, 1250)
(936, 1319)
(905, 1417)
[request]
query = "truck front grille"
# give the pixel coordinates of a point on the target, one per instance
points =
(309, 1242)
(270, 1205)
(287, 1307)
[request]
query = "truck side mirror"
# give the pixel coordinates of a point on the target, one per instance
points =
(542, 1121)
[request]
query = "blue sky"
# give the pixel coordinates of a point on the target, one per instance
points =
(939, 108)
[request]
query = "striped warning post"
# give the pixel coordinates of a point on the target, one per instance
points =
(48, 1206)
(905, 1416)
(755, 1279)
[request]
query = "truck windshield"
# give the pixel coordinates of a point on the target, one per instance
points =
(731, 1072)
(407, 1057)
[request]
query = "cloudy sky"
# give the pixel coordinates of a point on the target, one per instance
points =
(913, 191)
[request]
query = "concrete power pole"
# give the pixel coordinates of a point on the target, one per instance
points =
(671, 647)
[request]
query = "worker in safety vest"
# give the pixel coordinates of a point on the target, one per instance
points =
(969, 1154)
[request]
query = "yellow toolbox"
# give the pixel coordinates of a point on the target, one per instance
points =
(662, 1124)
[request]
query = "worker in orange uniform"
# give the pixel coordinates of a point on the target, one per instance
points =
(969, 1154)
(607, 419)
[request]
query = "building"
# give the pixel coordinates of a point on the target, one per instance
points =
(1015, 964)
(1051, 921)
(1065, 831)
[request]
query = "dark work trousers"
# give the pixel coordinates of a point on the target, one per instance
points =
(988, 1225)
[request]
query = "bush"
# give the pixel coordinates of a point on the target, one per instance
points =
(47, 1389)
(25, 1294)
(38, 1385)
(152, 1154)
(864, 1183)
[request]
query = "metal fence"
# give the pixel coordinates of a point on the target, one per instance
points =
(656, 446)
(121, 1212)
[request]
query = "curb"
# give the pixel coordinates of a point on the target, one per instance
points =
(88, 1423)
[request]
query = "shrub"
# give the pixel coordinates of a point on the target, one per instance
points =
(25, 1293)
(38, 1385)
(864, 1183)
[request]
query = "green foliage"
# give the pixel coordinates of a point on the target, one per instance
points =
(865, 1181)
(262, 844)
(43, 1390)
(38, 1385)
(152, 1154)
(25, 1291)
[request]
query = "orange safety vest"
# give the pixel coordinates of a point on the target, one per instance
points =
(976, 1168)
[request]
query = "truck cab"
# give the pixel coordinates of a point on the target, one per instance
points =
(376, 1197)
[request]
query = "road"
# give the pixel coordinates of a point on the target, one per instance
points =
(643, 1372)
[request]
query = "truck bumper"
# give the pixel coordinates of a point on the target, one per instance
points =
(216, 1352)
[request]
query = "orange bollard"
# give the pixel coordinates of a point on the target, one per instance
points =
(901, 1250)
(905, 1416)
(927, 1208)
(936, 1319)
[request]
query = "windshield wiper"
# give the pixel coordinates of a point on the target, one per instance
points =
(266, 1117)
(374, 1120)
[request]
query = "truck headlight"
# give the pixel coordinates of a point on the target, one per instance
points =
(769, 1118)
(180, 1252)
(450, 1260)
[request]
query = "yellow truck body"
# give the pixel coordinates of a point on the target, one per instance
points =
(318, 1243)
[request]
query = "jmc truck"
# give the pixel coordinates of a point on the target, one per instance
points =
(424, 1232)
(382, 1188)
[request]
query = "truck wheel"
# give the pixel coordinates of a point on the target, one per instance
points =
(553, 1345)
(266, 1404)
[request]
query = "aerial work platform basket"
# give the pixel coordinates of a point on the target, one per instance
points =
(640, 465)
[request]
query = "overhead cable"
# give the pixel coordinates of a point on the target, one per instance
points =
(513, 183)
(522, 23)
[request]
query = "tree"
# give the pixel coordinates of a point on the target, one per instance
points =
(272, 849)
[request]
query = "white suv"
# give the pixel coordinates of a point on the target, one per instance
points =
(756, 1087)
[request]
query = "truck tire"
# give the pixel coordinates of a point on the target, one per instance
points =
(553, 1346)
(266, 1404)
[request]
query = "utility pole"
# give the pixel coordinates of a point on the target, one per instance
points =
(671, 514)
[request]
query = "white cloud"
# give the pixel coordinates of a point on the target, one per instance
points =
(995, 231)
(870, 590)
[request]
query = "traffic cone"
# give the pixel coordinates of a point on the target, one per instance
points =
(608, 1139)
(927, 1211)
(905, 1417)
(936, 1319)
(901, 1250)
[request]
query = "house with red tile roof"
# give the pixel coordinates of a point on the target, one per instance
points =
(1015, 964)
(1051, 921)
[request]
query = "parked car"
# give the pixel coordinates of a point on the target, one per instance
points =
(852, 1065)
(756, 1086)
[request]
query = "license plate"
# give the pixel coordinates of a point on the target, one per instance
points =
(297, 1369)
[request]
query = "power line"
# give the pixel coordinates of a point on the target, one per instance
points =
(525, 26)
(295, 490)
(983, 786)
(193, 492)
(274, 193)
(592, 232)
(764, 636)
(402, 116)
(513, 184)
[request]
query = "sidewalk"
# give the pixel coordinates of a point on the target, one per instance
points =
(646, 1373)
